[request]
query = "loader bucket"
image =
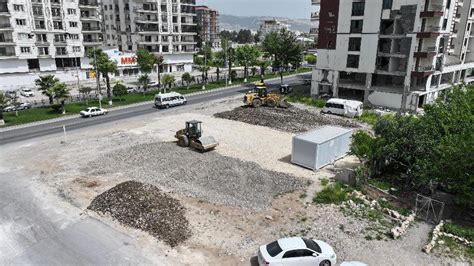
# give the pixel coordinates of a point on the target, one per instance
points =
(204, 144)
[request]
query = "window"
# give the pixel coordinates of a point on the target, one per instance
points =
(298, 253)
(73, 24)
(387, 4)
(25, 50)
(274, 249)
(74, 36)
(37, 10)
(41, 38)
(358, 8)
(354, 44)
(55, 12)
(76, 49)
(445, 23)
(329, 45)
(20, 22)
(311, 244)
(105, 7)
(39, 24)
(71, 11)
(356, 26)
(18, 7)
(57, 25)
(352, 61)
(23, 36)
(43, 50)
(61, 51)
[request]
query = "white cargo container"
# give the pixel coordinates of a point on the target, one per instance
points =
(319, 147)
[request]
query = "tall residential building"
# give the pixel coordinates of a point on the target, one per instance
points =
(208, 26)
(52, 37)
(313, 31)
(398, 54)
(271, 25)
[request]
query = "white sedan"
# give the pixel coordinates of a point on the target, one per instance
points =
(93, 111)
(297, 251)
(27, 93)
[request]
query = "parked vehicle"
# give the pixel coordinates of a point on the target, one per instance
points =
(93, 111)
(24, 106)
(10, 94)
(132, 90)
(8, 109)
(286, 89)
(297, 251)
(154, 84)
(171, 99)
(343, 107)
(27, 93)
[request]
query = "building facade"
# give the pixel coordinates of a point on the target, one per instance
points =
(313, 31)
(398, 54)
(208, 26)
(39, 37)
(272, 25)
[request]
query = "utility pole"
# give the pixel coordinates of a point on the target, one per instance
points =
(225, 61)
(97, 79)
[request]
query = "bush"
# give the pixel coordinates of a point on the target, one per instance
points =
(458, 230)
(336, 193)
(319, 103)
(56, 107)
(310, 58)
(381, 184)
(369, 118)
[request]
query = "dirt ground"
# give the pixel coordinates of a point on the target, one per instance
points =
(222, 233)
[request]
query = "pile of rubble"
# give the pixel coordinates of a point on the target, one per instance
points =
(145, 207)
(210, 176)
(294, 120)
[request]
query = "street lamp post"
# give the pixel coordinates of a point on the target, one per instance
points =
(97, 78)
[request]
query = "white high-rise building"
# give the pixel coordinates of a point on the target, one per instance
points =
(40, 37)
(398, 54)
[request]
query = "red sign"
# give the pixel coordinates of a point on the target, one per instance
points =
(127, 60)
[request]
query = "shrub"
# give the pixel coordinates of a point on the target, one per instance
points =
(56, 107)
(369, 118)
(458, 230)
(336, 193)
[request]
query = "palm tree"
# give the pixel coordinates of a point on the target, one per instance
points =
(188, 78)
(105, 66)
(144, 80)
(168, 80)
(45, 83)
(61, 93)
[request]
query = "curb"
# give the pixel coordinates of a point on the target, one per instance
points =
(74, 116)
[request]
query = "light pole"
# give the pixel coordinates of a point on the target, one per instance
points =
(97, 78)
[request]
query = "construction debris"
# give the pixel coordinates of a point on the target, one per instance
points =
(294, 120)
(145, 207)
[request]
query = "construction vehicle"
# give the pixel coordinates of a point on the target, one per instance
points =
(261, 97)
(191, 136)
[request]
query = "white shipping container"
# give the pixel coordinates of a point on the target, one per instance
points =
(320, 147)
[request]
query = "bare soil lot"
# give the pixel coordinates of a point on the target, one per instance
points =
(238, 197)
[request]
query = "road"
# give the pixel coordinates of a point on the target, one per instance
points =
(40, 130)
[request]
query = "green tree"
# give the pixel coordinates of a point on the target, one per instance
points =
(119, 90)
(188, 78)
(245, 36)
(45, 84)
(168, 80)
(85, 91)
(218, 61)
(4, 102)
(144, 80)
(284, 50)
(147, 61)
(264, 64)
(104, 66)
(435, 147)
(247, 55)
(61, 93)
(14, 102)
(310, 58)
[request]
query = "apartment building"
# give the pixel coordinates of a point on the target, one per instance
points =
(40, 37)
(208, 26)
(271, 25)
(313, 31)
(399, 54)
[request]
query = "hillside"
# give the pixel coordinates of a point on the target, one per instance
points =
(229, 22)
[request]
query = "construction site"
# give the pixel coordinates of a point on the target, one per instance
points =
(205, 205)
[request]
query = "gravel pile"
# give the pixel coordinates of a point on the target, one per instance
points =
(209, 176)
(294, 120)
(147, 208)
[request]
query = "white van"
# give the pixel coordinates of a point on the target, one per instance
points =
(167, 100)
(343, 107)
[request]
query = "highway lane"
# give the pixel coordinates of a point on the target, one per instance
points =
(45, 129)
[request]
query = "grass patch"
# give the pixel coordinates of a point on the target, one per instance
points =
(307, 100)
(335, 193)
(381, 184)
(456, 249)
(464, 232)
(324, 182)
(387, 204)
(45, 113)
(368, 118)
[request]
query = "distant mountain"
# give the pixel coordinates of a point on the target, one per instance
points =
(229, 22)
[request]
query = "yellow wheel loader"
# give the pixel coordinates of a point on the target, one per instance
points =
(191, 136)
(261, 97)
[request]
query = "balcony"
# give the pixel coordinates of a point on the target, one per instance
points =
(426, 53)
(422, 72)
(432, 11)
(145, 9)
(146, 21)
(4, 9)
(5, 27)
(88, 4)
(91, 17)
(6, 41)
(429, 32)
(90, 29)
(314, 31)
(315, 2)
(315, 16)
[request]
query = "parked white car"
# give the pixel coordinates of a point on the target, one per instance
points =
(297, 251)
(343, 107)
(8, 109)
(27, 93)
(24, 106)
(93, 111)
(171, 99)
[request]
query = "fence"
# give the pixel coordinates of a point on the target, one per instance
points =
(429, 209)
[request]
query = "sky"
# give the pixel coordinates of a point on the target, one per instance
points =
(278, 8)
